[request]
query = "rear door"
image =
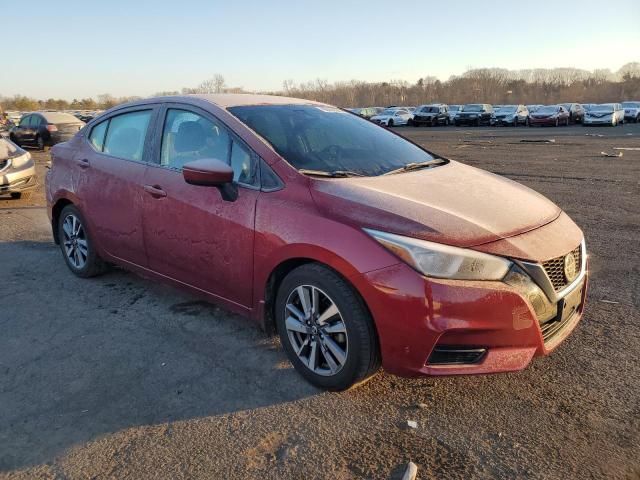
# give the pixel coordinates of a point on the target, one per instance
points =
(110, 167)
(192, 235)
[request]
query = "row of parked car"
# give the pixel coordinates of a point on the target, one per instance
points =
(478, 114)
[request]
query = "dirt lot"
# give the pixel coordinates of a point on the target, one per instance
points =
(117, 377)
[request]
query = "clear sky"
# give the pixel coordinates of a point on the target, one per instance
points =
(72, 49)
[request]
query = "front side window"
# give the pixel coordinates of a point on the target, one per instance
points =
(318, 137)
(126, 135)
(96, 137)
(188, 136)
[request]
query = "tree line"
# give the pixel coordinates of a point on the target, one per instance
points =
(483, 85)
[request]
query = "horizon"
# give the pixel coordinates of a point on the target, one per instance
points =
(153, 49)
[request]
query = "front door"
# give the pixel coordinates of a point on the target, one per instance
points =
(191, 234)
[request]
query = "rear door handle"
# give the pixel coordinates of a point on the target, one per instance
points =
(155, 191)
(84, 163)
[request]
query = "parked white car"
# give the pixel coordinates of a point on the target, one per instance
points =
(631, 111)
(604, 114)
(393, 117)
(453, 110)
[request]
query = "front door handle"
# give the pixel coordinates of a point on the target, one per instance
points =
(84, 163)
(155, 191)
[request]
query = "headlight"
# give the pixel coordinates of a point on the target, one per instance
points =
(443, 261)
(517, 278)
(21, 161)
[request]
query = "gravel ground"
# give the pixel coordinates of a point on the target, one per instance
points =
(118, 377)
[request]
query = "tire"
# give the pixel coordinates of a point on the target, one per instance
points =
(566, 124)
(456, 124)
(478, 122)
(21, 195)
(446, 122)
(358, 345)
(40, 143)
(93, 265)
(557, 122)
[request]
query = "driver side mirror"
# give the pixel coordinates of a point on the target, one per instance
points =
(211, 172)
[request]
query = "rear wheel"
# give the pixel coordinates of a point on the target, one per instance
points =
(76, 245)
(325, 329)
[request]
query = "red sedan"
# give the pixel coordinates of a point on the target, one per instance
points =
(550, 115)
(357, 246)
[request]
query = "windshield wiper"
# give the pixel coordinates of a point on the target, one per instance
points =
(414, 166)
(332, 174)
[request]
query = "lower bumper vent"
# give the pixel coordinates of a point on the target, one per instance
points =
(456, 355)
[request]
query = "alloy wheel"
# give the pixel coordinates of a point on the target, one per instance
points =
(76, 247)
(316, 330)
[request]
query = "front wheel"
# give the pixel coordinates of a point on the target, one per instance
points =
(325, 329)
(76, 245)
(390, 123)
(40, 143)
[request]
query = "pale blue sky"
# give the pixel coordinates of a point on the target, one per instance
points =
(126, 47)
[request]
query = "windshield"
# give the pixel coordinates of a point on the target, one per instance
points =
(605, 107)
(507, 109)
(388, 111)
(327, 139)
(547, 109)
(631, 104)
(430, 109)
(454, 108)
(472, 108)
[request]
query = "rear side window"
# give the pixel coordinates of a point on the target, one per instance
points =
(126, 135)
(96, 137)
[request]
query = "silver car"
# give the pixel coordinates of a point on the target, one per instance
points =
(604, 114)
(17, 170)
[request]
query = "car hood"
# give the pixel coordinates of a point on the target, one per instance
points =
(454, 204)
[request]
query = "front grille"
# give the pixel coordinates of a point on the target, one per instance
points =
(555, 269)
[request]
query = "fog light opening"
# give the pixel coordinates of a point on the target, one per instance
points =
(456, 355)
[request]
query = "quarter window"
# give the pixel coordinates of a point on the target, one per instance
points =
(126, 135)
(243, 164)
(96, 138)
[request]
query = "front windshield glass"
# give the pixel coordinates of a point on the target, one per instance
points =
(388, 111)
(472, 108)
(605, 107)
(630, 104)
(429, 109)
(507, 109)
(454, 108)
(547, 109)
(327, 139)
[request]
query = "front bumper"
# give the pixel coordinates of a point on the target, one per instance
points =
(414, 315)
(14, 180)
(504, 121)
(544, 121)
(598, 121)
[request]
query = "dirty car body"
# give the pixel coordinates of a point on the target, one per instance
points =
(357, 245)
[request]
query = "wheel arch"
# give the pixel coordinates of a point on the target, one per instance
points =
(55, 216)
(278, 274)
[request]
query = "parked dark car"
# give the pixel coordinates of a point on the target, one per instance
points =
(576, 112)
(432, 115)
(550, 115)
(631, 111)
(45, 129)
(475, 114)
(359, 247)
(512, 115)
